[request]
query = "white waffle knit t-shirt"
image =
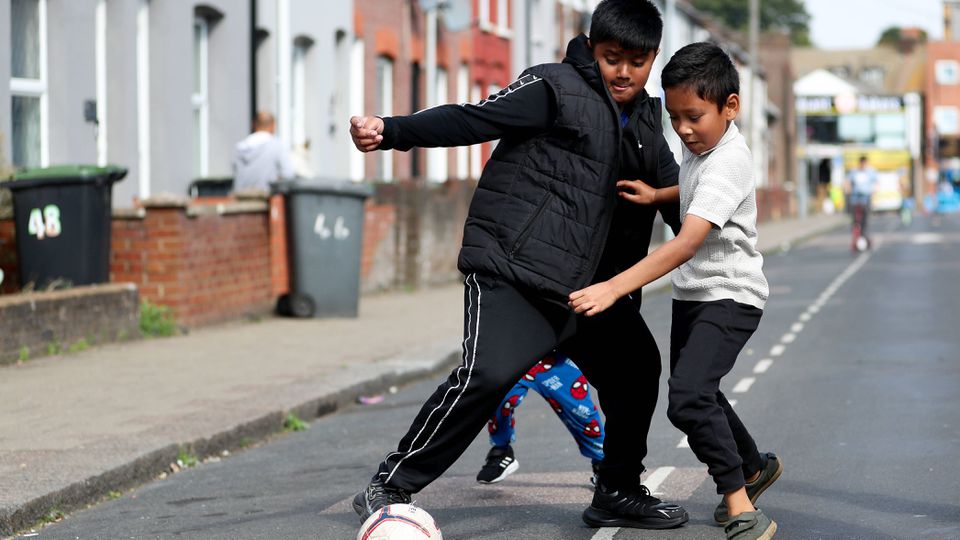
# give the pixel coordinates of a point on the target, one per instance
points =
(718, 186)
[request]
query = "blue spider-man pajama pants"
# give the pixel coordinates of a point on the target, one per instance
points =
(561, 383)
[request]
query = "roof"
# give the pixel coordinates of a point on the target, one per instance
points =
(901, 73)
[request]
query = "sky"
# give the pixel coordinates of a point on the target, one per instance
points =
(857, 24)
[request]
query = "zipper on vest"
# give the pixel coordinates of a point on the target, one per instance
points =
(528, 226)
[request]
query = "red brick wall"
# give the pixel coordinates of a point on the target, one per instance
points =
(205, 266)
(279, 271)
(8, 257)
(775, 203)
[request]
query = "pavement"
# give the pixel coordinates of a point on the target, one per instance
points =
(79, 428)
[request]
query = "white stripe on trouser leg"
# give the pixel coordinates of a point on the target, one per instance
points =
(466, 383)
(466, 339)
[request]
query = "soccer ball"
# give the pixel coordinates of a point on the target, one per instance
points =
(400, 522)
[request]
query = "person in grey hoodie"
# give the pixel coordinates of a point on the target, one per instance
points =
(260, 158)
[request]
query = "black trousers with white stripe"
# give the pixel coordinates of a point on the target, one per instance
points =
(506, 331)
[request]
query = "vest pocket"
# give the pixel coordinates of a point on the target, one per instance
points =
(528, 225)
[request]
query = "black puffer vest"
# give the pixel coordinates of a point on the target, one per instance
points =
(543, 205)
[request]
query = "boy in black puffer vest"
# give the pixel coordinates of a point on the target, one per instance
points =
(546, 219)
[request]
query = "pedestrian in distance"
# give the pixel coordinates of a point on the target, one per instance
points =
(260, 159)
(559, 381)
(719, 290)
(859, 187)
(546, 220)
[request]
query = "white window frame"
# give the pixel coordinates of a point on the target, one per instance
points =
(438, 159)
(298, 94)
(385, 108)
(143, 97)
(503, 18)
(201, 99)
(37, 88)
(356, 105)
(100, 46)
(463, 96)
(483, 16)
(476, 150)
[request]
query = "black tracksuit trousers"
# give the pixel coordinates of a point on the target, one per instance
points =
(507, 331)
(705, 339)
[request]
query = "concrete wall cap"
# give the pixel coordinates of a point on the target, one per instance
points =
(73, 292)
(167, 200)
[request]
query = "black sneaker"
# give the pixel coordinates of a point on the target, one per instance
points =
(632, 507)
(500, 464)
(751, 526)
(772, 469)
(376, 496)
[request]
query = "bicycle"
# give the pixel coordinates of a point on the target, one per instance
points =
(859, 242)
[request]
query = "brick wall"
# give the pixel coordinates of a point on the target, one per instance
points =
(8, 257)
(775, 203)
(413, 234)
(208, 263)
(42, 323)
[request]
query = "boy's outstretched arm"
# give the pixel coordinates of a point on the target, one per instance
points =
(600, 296)
(525, 107)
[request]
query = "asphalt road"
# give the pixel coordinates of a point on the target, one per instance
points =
(853, 379)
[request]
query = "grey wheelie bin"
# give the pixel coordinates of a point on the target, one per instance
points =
(324, 244)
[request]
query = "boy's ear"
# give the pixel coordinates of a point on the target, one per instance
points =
(731, 107)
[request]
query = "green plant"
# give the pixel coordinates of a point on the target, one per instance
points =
(24, 353)
(81, 345)
(53, 515)
(156, 320)
(293, 423)
(53, 348)
(245, 442)
(185, 458)
(114, 495)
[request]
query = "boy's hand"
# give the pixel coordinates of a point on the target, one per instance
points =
(366, 132)
(636, 191)
(593, 299)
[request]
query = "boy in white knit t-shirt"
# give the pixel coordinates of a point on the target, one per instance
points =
(719, 289)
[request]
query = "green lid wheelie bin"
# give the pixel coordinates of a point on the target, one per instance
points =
(62, 220)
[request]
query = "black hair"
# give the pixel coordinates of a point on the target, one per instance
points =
(633, 24)
(704, 68)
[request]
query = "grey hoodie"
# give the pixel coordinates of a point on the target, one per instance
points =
(259, 160)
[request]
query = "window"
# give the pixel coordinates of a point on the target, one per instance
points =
(947, 72)
(476, 151)
(437, 157)
(299, 92)
(503, 16)
(384, 108)
(28, 83)
(463, 96)
(484, 14)
(872, 75)
(356, 105)
(200, 98)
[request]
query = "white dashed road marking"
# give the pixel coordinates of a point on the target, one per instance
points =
(763, 365)
(744, 384)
